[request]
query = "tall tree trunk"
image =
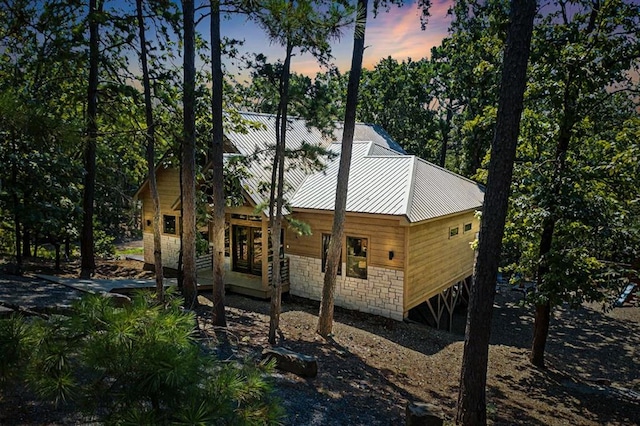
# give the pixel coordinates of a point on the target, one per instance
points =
(26, 243)
(276, 201)
(57, 246)
(188, 188)
(16, 208)
(16, 229)
(150, 154)
(444, 131)
(67, 249)
(540, 333)
(217, 165)
(88, 264)
(473, 378)
(543, 308)
(325, 316)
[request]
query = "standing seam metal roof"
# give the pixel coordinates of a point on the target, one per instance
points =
(382, 178)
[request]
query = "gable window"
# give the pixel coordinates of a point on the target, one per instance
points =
(169, 224)
(467, 227)
(325, 250)
(357, 257)
(453, 232)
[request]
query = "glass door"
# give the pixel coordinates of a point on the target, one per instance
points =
(247, 249)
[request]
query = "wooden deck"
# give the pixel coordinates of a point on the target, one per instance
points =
(237, 282)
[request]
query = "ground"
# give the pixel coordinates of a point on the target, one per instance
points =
(373, 366)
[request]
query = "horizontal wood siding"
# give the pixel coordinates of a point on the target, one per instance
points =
(437, 260)
(168, 181)
(384, 235)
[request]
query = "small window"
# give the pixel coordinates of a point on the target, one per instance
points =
(325, 249)
(357, 257)
(169, 224)
(453, 232)
(467, 227)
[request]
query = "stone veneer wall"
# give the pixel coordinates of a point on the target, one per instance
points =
(380, 294)
(170, 250)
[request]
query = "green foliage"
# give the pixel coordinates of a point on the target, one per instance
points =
(140, 364)
(103, 244)
(576, 174)
(397, 96)
(13, 348)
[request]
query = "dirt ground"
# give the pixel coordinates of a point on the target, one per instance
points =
(373, 366)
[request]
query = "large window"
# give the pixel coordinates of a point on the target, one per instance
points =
(357, 257)
(169, 224)
(325, 249)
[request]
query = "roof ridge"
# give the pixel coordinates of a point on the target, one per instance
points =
(408, 202)
(429, 163)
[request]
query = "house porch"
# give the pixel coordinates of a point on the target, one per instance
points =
(242, 283)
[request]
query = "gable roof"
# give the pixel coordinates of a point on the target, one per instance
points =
(260, 140)
(383, 181)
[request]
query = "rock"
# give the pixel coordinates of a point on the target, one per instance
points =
(423, 414)
(293, 362)
(118, 300)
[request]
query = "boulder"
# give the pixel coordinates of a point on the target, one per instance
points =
(118, 300)
(423, 414)
(293, 362)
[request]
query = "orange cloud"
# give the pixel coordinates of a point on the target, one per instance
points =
(396, 33)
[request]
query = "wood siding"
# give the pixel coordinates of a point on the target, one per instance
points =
(168, 181)
(383, 234)
(437, 260)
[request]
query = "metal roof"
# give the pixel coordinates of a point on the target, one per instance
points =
(258, 144)
(383, 179)
(391, 184)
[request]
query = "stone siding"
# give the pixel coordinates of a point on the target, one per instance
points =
(380, 294)
(170, 250)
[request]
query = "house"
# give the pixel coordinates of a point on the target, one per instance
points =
(408, 228)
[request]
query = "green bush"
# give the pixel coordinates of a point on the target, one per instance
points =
(103, 244)
(140, 364)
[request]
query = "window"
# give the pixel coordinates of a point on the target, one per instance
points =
(325, 249)
(453, 232)
(247, 217)
(357, 257)
(169, 224)
(467, 227)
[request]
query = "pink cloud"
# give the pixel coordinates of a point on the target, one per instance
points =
(395, 33)
(398, 34)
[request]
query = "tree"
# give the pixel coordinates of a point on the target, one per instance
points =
(334, 252)
(88, 257)
(472, 397)
(302, 26)
(468, 65)
(188, 163)
(578, 119)
(150, 153)
(40, 82)
(397, 96)
(325, 316)
(217, 165)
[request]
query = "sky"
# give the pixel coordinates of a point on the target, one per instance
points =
(396, 33)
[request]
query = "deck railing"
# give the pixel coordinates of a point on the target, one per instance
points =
(204, 262)
(284, 271)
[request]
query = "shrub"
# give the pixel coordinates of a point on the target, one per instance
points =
(103, 244)
(140, 364)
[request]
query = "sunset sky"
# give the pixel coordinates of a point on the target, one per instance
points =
(396, 33)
